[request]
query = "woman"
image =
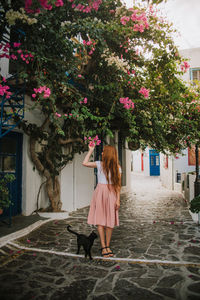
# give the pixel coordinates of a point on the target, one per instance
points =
(106, 197)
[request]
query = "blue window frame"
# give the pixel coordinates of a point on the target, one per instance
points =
(195, 74)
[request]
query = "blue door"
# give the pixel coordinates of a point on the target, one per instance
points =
(154, 162)
(11, 163)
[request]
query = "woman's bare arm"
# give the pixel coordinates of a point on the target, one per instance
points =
(86, 162)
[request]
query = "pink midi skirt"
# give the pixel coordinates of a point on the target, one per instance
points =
(103, 207)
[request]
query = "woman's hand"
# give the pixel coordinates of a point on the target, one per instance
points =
(86, 162)
(91, 148)
(117, 205)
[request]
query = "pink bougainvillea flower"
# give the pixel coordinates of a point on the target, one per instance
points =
(98, 142)
(85, 100)
(59, 3)
(41, 89)
(117, 268)
(172, 222)
(13, 56)
(185, 66)
(79, 75)
(28, 241)
(16, 45)
(4, 91)
(127, 103)
(58, 115)
(93, 141)
(124, 20)
(144, 92)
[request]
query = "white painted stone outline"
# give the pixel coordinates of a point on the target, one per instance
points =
(117, 259)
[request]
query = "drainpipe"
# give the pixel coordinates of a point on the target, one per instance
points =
(172, 173)
(74, 184)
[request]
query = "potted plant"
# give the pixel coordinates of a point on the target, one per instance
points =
(195, 206)
(5, 201)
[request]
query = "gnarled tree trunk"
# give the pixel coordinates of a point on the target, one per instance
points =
(52, 184)
(53, 191)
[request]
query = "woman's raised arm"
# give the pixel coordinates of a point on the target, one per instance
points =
(86, 162)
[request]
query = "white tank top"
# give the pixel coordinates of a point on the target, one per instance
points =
(101, 177)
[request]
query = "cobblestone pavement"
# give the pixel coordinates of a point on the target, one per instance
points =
(156, 246)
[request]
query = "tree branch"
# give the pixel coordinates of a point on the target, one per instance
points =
(68, 141)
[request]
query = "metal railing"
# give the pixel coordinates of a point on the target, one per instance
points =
(13, 106)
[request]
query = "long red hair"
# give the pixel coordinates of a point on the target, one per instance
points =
(111, 166)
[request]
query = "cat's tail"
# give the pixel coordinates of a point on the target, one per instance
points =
(68, 228)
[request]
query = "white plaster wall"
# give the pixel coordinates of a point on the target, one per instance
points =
(189, 181)
(83, 182)
(191, 186)
(178, 187)
(31, 182)
(4, 66)
(31, 179)
(66, 185)
(166, 174)
(136, 156)
(146, 162)
(77, 184)
(193, 55)
(137, 161)
(181, 164)
(128, 154)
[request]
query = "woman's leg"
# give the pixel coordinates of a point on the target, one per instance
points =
(102, 239)
(108, 239)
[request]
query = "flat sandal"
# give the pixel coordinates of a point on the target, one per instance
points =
(104, 254)
(110, 253)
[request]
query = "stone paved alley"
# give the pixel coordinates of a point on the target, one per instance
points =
(156, 246)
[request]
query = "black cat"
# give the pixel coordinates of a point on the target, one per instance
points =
(85, 241)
